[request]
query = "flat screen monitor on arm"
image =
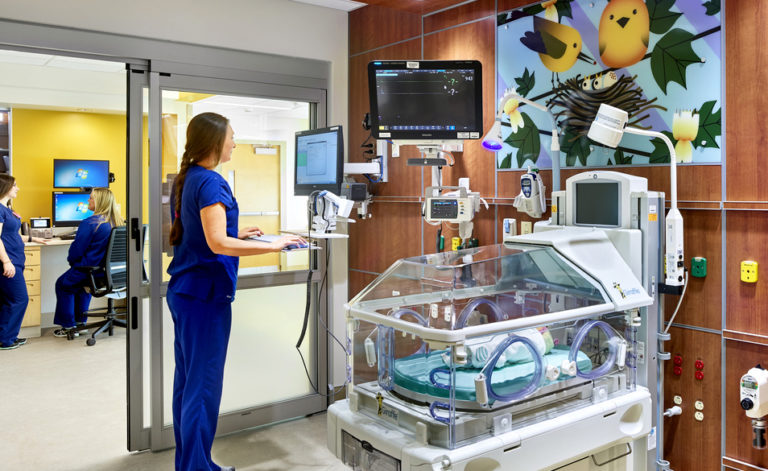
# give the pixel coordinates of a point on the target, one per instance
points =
(319, 160)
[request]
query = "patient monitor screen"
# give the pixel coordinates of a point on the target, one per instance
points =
(319, 156)
(597, 204)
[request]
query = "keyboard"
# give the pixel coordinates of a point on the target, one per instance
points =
(70, 236)
(268, 238)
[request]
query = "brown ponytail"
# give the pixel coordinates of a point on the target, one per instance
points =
(206, 134)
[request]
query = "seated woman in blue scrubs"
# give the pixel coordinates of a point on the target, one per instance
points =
(13, 289)
(88, 249)
(207, 244)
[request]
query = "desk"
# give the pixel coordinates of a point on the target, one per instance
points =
(45, 264)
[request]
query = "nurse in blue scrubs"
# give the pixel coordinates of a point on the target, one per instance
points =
(87, 250)
(13, 289)
(207, 244)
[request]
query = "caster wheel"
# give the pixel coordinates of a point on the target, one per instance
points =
(90, 342)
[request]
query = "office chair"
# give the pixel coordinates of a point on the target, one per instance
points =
(108, 280)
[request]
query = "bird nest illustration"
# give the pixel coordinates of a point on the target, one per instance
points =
(576, 101)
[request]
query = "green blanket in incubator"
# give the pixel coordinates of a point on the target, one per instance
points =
(412, 373)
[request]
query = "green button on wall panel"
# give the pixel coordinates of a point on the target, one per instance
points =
(699, 267)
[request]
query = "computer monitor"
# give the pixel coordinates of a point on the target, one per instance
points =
(80, 173)
(426, 100)
(70, 208)
(319, 160)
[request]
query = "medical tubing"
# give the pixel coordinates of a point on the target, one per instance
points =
(538, 371)
(433, 379)
(469, 308)
(441, 405)
(579, 339)
(679, 302)
(399, 313)
(308, 303)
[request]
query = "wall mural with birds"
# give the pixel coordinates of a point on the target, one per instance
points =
(658, 60)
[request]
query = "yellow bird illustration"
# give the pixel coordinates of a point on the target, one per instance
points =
(599, 81)
(623, 33)
(558, 45)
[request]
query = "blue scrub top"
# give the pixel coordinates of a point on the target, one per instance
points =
(90, 244)
(195, 270)
(12, 242)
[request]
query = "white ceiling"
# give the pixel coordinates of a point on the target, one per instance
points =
(346, 5)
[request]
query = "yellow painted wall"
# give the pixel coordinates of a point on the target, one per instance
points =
(39, 136)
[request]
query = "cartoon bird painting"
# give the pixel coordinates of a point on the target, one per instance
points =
(558, 45)
(623, 33)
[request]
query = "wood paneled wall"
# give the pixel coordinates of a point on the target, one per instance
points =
(725, 207)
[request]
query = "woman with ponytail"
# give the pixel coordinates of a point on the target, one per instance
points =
(87, 250)
(207, 244)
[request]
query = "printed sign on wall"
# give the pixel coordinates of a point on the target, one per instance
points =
(658, 60)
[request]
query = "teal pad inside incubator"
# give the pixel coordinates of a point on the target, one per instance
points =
(412, 373)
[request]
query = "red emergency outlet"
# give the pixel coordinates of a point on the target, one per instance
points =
(678, 360)
(699, 375)
(677, 370)
(699, 365)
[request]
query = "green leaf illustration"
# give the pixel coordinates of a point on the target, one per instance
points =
(709, 126)
(526, 140)
(671, 56)
(534, 9)
(564, 9)
(620, 159)
(506, 162)
(713, 7)
(661, 17)
(525, 83)
(575, 148)
(660, 154)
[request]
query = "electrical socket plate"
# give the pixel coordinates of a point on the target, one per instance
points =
(749, 271)
(526, 227)
(699, 267)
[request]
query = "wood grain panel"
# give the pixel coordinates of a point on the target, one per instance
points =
(746, 101)
(484, 230)
(739, 358)
(746, 205)
(702, 305)
(745, 337)
(504, 5)
(694, 182)
(472, 41)
(682, 431)
(460, 14)
(746, 239)
(509, 211)
(358, 281)
(421, 7)
(375, 26)
(403, 180)
(740, 465)
(394, 232)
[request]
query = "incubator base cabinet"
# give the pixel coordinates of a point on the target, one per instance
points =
(527, 355)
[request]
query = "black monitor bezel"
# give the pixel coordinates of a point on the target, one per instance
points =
(423, 135)
(68, 223)
(305, 189)
(53, 175)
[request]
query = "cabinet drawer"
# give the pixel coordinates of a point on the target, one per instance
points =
(33, 287)
(33, 256)
(32, 272)
(32, 316)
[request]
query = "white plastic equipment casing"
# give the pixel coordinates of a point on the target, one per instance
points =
(583, 432)
(608, 126)
(754, 388)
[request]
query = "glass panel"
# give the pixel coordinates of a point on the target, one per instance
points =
(260, 172)
(263, 366)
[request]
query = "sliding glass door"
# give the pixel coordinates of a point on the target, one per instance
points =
(265, 380)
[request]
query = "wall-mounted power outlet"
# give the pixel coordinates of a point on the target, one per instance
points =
(749, 271)
(526, 227)
(699, 267)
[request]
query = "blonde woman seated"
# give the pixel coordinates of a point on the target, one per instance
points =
(88, 249)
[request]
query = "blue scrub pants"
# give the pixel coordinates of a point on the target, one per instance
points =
(13, 305)
(201, 336)
(71, 299)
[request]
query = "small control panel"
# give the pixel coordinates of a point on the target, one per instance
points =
(449, 209)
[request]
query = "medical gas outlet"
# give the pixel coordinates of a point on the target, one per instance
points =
(749, 271)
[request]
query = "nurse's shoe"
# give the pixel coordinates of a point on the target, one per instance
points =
(15, 345)
(20, 341)
(69, 333)
(227, 468)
